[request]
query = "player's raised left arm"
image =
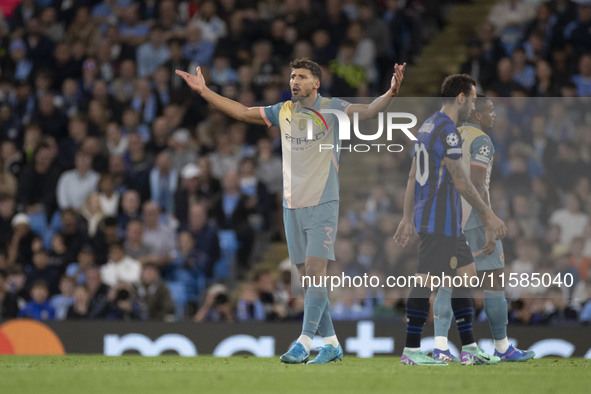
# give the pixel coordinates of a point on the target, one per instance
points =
(366, 111)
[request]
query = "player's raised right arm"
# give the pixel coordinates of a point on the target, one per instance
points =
(229, 107)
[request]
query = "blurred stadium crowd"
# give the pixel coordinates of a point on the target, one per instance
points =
(123, 196)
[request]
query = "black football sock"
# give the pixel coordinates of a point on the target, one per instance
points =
(417, 310)
(462, 306)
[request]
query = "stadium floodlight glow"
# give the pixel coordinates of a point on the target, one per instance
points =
(345, 124)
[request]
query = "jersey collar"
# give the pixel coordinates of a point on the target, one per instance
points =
(316, 104)
(471, 125)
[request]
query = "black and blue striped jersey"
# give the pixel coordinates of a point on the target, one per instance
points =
(438, 207)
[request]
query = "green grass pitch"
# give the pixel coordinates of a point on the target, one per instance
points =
(246, 374)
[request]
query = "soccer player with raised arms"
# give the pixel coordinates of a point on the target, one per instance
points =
(435, 183)
(477, 159)
(310, 185)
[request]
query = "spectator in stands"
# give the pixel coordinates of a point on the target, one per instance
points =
(258, 197)
(123, 306)
(38, 183)
(567, 166)
(92, 214)
(216, 306)
(108, 196)
(225, 157)
(197, 49)
(570, 219)
(97, 292)
(209, 185)
(42, 271)
(177, 61)
(545, 85)
(130, 210)
(138, 164)
(73, 233)
(154, 295)
(8, 183)
(116, 141)
(153, 53)
(52, 120)
(510, 18)
(8, 300)
(144, 101)
(135, 247)
(212, 26)
(58, 254)
(504, 84)
(265, 285)
(523, 73)
(182, 149)
(164, 182)
(581, 263)
(583, 79)
(249, 306)
(75, 185)
(85, 261)
(80, 308)
(158, 231)
(120, 267)
(39, 307)
(476, 65)
(132, 30)
(7, 208)
(123, 86)
(161, 88)
(206, 242)
(230, 210)
(577, 32)
(20, 248)
(65, 299)
(188, 193)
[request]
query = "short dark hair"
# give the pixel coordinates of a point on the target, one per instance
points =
(40, 283)
(455, 84)
(308, 65)
(480, 102)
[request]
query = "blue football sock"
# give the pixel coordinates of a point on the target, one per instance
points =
(325, 328)
(315, 302)
(442, 312)
(495, 307)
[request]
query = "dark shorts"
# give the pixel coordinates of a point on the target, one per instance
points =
(439, 253)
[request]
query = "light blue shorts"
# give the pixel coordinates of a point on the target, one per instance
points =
(476, 238)
(311, 231)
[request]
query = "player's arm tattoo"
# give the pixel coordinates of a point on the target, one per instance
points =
(465, 186)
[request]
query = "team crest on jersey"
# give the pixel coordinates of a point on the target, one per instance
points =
(453, 263)
(452, 139)
(484, 150)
